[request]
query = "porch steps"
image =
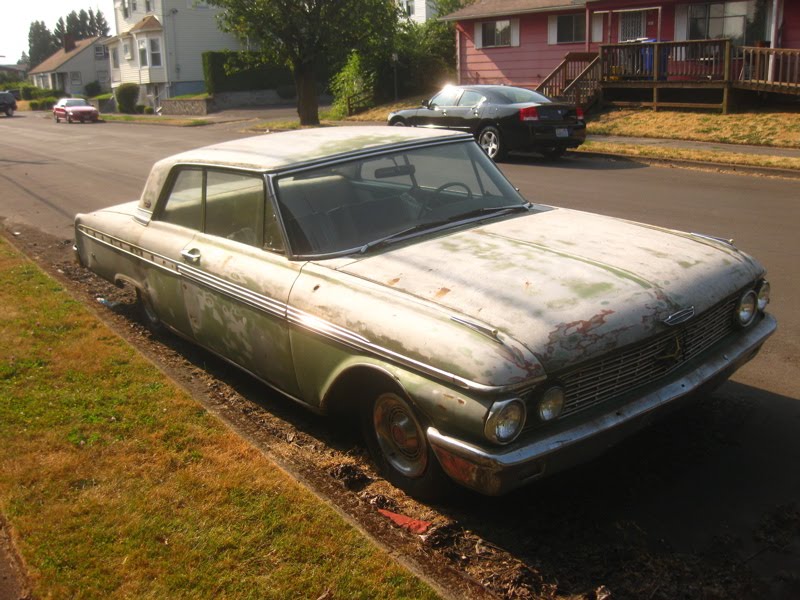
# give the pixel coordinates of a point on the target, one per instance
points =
(575, 80)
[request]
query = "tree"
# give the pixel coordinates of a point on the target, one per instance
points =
(83, 26)
(59, 31)
(40, 43)
(24, 59)
(101, 25)
(309, 35)
(73, 25)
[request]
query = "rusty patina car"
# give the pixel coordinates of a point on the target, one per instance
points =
(397, 274)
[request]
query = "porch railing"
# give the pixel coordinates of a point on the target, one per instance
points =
(569, 70)
(689, 61)
(584, 89)
(767, 68)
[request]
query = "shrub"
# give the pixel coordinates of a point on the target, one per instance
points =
(127, 94)
(92, 89)
(140, 109)
(353, 87)
(43, 103)
(148, 110)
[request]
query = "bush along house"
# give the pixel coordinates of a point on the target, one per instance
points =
(661, 54)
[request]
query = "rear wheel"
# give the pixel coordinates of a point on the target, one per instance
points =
(396, 439)
(492, 143)
(9, 112)
(149, 314)
(399, 123)
(56, 118)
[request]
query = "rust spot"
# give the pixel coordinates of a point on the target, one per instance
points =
(393, 281)
(316, 287)
(442, 292)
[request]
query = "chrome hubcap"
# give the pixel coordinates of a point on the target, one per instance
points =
(399, 435)
(489, 143)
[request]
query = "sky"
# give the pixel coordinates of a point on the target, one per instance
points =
(15, 23)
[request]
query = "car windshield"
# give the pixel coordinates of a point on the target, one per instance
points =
(512, 95)
(356, 205)
(76, 102)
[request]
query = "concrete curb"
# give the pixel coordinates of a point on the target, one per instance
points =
(711, 166)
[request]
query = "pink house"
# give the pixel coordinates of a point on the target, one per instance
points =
(650, 45)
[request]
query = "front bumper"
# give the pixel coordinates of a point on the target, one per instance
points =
(495, 471)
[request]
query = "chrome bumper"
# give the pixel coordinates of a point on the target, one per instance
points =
(495, 471)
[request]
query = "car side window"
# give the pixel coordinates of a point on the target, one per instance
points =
(184, 205)
(235, 206)
(447, 97)
(470, 98)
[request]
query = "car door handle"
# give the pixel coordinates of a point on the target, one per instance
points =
(191, 256)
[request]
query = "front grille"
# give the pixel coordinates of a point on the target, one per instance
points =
(612, 376)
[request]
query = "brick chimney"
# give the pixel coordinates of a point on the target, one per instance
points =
(69, 43)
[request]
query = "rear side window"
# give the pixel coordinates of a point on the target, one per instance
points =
(184, 206)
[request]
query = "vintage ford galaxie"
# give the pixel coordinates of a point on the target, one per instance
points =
(396, 273)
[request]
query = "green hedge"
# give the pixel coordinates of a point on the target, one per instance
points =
(31, 92)
(43, 103)
(241, 72)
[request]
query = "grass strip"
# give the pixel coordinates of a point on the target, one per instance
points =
(118, 484)
(723, 158)
(758, 127)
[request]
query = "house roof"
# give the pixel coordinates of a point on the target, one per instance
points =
(61, 56)
(498, 8)
(149, 23)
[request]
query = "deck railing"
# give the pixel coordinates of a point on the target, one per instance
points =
(689, 61)
(584, 88)
(569, 70)
(773, 69)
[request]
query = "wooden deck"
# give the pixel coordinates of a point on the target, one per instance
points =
(689, 74)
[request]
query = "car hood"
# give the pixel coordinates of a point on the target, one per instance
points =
(568, 285)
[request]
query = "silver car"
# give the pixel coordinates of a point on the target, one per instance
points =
(395, 273)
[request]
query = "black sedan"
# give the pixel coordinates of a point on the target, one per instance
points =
(502, 118)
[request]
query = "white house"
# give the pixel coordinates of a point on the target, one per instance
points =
(73, 66)
(418, 10)
(160, 43)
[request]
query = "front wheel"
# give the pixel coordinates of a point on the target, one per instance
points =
(396, 439)
(57, 119)
(149, 314)
(492, 143)
(399, 123)
(9, 112)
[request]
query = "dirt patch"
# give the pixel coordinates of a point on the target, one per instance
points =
(573, 536)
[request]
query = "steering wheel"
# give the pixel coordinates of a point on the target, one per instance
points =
(450, 184)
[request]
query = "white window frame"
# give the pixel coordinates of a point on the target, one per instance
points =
(102, 76)
(126, 50)
(513, 37)
(141, 44)
(154, 51)
(642, 14)
(75, 78)
(115, 57)
(552, 29)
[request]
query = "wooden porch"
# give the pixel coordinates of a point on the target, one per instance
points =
(673, 74)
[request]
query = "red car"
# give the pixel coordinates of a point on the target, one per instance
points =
(75, 109)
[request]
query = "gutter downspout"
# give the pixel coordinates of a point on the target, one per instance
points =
(777, 9)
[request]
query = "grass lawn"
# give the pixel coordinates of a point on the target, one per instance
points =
(118, 484)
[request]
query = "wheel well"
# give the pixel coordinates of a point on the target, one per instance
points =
(356, 386)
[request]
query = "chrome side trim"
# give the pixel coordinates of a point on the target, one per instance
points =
(728, 241)
(296, 317)
(489, 332)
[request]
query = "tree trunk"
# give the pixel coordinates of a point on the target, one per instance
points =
(307, 105)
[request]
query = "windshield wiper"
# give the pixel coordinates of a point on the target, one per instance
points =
(479, 212)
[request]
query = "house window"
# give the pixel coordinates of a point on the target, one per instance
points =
(496, 33)
(115, 58)
(631, 26)
(744, 22)
(570, 29)
(75, 78)
(142, 53)
(155, 52)
(100, 52)
(148, 5)
(126, 51)
(102, 76)
(133, 5)
(125, 9)
(407, 6)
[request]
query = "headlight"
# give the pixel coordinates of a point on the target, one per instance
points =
(746, 308)
(551, 403)
(505, 421)
(763, 296)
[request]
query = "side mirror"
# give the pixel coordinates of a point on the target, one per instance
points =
(426, 104)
